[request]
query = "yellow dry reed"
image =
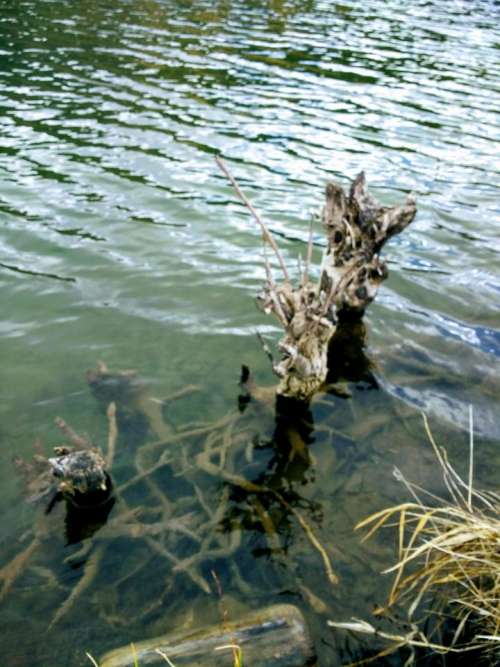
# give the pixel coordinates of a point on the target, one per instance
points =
(449, 550)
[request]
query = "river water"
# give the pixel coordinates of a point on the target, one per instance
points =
(121, 241)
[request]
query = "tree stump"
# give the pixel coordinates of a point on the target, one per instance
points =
(356, 227)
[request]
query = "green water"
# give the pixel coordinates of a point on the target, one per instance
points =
(121, 241)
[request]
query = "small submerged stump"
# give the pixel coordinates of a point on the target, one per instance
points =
(273, 637)
(77, 472)
(84, 480)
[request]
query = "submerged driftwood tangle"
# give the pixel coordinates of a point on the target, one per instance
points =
(77, 474)
(357, 227)
(181, 526)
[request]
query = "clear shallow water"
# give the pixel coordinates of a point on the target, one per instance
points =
(120, 240)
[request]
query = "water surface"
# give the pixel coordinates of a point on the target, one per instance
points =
(121, 241)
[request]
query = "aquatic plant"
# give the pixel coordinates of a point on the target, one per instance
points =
(449, 556)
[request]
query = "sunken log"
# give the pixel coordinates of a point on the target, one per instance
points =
(356, 227)
(273, 637)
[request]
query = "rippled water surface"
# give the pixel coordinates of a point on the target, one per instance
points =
(121, 241)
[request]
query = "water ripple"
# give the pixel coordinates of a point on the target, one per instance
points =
(119, 234)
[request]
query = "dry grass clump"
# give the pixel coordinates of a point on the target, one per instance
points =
(449, 551)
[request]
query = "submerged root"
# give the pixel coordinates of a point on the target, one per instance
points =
(184, 534)
(89, 574)
(78, 441)
(112, 434)
(204, 462)
(12, 570)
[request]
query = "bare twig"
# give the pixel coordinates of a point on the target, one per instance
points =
(89, 574)
(471, 457)
(13, 569)
(266, 348)
(78, 441)
(331, 576)
(165, 657)
(305, 276)
(265, 232)
(112, 434)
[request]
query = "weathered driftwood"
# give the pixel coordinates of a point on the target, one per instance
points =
(357, 227)
(83, 475)
(273, 637)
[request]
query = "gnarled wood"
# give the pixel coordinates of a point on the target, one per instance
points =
(356, 227)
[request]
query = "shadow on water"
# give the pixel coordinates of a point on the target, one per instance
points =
(282, 465)
(283, 461)
(81, 523)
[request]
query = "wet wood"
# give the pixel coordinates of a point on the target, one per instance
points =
(83, 478)
(273, 637)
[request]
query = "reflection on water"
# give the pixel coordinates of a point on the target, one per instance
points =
(281, 463)
(120, 240)
(348, 360)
